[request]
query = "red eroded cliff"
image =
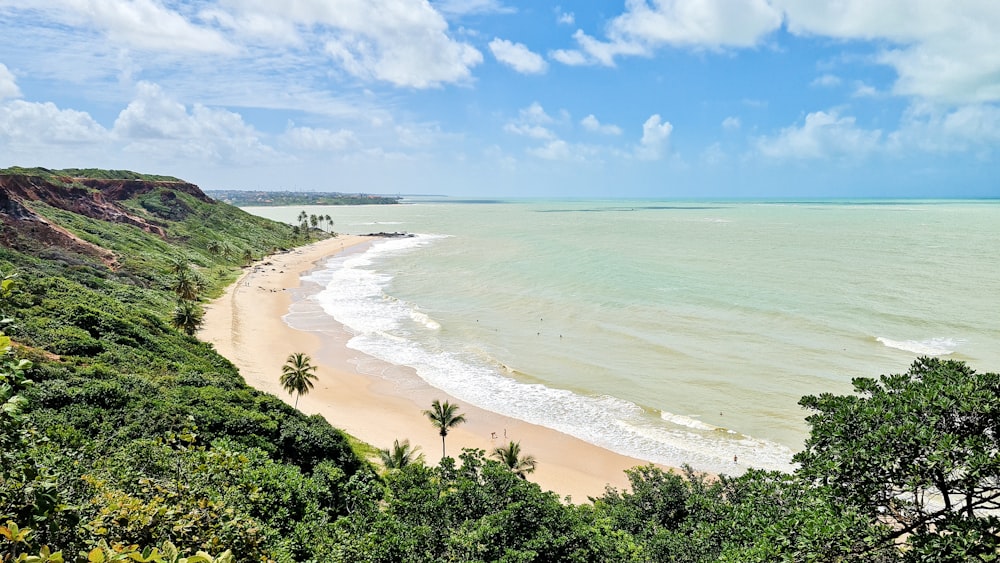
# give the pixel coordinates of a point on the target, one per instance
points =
(24, 228)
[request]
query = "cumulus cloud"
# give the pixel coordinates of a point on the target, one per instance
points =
(157, 124)
(703, 23)
(644, 26)
(403, 42)
(940, 50)
(655, 136)
(929, 128)
(518, 57)
(29, 123)
(590, 123)
(531, 122)
(565, 18)
(8, 84)
(556, 149)
(822, 135)
(319, 140)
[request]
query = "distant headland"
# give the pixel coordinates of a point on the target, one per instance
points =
(242, 198)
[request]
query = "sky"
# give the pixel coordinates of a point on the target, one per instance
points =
(487, 98)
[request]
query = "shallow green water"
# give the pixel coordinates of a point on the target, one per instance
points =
(674, 332)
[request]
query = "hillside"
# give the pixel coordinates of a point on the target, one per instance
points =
(120, 399)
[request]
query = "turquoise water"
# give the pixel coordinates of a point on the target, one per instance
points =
(672, 332)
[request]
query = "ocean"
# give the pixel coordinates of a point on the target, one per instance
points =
(674, 332)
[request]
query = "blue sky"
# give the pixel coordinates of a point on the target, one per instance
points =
(641, 98)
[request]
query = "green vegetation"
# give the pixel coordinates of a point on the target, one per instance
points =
(242, 198)
(297, 375)
(93, 173)
(400, 455)
(511, 456)
(444, 417)
(123, 438)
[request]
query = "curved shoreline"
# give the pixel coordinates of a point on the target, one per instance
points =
(246, 325)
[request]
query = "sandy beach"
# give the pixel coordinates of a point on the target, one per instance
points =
(246, 326)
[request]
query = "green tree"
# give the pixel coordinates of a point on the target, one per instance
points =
(919, 448)
(297, 375)
(444, 417)
(511, 456)
(400, 455)
(188, 317)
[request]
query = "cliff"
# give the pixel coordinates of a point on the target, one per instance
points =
(28, 201)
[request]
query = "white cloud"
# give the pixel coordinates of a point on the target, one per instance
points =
(929, 128)
(566, 18)
(698, 23)
(655, 135)
(518, 56)
(29, 123)
(826, 81)
(531, 122)
(822, 135)
(403, 42)
(590, 123)
(594, 51)
(535, 113)
(862, 90)
(140, 24)
(941, 51)
(944, 51)
(553, 150)
(8, 84)
(319, 140)
(644, 26)
(156, 124)
(533, 131)
(570, 57)
(731, 123)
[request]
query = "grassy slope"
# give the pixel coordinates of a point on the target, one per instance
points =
(124, 376)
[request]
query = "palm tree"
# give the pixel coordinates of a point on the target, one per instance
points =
(297, 375)
(248, 257)
(188, 317)
(400, 455)
(510, 455)
(187, 286)
(444, 416)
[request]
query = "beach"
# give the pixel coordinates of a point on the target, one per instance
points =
(246, 326)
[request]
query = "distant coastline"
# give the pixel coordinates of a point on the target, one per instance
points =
(244, 198)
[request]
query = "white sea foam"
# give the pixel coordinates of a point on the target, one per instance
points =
(398, 332)
(682, 420)
(929, 347)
